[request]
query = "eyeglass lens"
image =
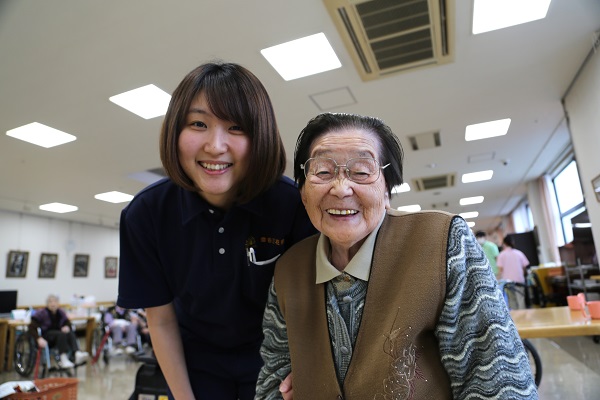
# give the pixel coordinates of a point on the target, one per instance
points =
(360, 170)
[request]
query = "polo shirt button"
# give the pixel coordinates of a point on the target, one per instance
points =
(339, 397)
(344, 350)
(210, 210)
(221, 251)
(347, 299)
(221, 230)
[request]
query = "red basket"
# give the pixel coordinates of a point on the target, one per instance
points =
(50, 389)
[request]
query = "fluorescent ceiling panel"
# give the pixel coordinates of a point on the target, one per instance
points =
(490, 15)
(58, 208)
(411, 208)
(40, 135)
(147, 101)
(465, 201)
(471, 214)
(302, 57)
(114, 197)
(477, 176)
(486, 130)
(401, 188)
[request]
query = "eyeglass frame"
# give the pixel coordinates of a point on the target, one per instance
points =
(336, 171)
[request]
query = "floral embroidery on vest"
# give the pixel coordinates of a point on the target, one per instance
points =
(399, 384)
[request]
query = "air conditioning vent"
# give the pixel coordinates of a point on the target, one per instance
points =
(434, 182)
(388, 36)
(424, 141)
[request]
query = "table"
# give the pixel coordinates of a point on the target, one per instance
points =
(12, 337)
(595, 277)
(3, 336)
(553, 322)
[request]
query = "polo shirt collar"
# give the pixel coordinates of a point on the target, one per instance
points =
(192, 205)
(359, 266)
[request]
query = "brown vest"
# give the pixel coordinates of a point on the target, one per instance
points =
(396, 354)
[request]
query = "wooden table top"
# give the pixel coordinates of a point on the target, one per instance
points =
(553, 322)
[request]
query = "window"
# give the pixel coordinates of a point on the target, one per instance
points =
(569, 197)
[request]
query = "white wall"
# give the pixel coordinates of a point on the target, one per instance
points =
(39, 235)
(582, 104)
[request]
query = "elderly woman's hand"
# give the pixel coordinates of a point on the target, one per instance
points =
(286, 388)
(42, 343)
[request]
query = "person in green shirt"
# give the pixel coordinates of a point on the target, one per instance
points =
(490, 249)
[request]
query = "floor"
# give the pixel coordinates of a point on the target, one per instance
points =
(571, 371)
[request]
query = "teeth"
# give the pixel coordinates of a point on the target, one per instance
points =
(342, 212)
(215, 167)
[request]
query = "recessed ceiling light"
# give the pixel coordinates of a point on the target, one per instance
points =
(40, 135)
(477, 176)
(486, 130)
(302, 57)
(114, 197)
(471, 214)
(58, 208)
(401, 188)
(411, 208)
(465, 201)
(147, 101)
(489, 15)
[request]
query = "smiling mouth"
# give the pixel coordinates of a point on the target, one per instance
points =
(341, 212)
(214, 167)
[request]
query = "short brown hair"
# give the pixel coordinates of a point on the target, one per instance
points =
(235, 94)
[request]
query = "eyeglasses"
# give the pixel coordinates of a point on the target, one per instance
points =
(359, 170)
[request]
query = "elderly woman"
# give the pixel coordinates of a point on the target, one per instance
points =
(382, 304)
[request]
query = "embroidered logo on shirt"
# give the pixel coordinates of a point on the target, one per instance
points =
(251, 241)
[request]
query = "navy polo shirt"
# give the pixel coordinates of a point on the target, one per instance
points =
(175, 247)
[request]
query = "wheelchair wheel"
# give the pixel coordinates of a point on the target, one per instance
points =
(534, 360)
(25, 354)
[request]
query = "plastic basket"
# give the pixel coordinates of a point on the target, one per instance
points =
(50, 389)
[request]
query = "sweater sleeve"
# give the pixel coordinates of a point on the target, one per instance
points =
(480, 347)
(274, 351)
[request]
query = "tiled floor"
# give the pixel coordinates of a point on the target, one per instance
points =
(571, 371)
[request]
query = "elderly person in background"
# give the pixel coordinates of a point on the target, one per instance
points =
(382, 304)
(55, 328)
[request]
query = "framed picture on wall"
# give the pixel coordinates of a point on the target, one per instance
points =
(16, 264)
(111, 265)
(47, 265)
(80, 265)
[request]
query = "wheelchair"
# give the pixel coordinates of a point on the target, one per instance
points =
(103, 343)
(28, 358)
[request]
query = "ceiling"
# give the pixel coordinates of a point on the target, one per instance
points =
(60, 61)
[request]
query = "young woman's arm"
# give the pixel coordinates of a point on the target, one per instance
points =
(166, 342)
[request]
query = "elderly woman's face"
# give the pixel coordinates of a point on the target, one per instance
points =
(52, 304)
(343, 210)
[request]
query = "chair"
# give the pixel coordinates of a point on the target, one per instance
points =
(578, 279)
(28, 358)
(102, 340)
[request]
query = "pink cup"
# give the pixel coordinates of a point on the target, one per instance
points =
(594, 308)
(576, 303)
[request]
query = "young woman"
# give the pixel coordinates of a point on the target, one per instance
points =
(198, 249)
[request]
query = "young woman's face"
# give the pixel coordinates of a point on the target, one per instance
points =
(214, 153)
(343, 210)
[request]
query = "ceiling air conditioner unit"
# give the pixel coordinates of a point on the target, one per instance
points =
(390, 36)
